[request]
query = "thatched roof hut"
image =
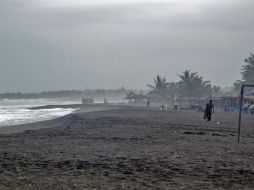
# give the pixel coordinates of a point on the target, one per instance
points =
(136, 98)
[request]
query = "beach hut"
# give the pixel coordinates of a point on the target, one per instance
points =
(87, 101)
(136, 98)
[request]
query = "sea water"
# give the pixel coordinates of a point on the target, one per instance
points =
(15, 112)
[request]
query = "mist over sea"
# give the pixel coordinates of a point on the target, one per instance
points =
(15, 112)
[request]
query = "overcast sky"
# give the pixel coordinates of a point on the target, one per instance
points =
(79, 44)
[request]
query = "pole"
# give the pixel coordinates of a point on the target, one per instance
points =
(240, 114)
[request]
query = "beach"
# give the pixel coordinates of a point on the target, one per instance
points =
(128, 148)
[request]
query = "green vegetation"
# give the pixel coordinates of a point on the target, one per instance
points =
(247, 73)
(190, 85)
(160, 87)
(73, 94)
(248, 70)
(193, 85)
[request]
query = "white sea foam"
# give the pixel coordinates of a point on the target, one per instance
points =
(14, 112)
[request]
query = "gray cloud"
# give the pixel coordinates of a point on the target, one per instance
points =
(120, 45)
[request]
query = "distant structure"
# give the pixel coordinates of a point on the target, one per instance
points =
(137, 98)
(155, 97)
(87, 101)
(249, 102)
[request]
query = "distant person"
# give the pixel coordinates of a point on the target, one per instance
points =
(148, 102)
(225, 106)
(175, 105)
(209, 109)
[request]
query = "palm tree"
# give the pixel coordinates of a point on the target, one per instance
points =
(192, 85)
(160, 86)
(159, 83)
(216, 89)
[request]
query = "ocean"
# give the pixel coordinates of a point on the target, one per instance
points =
(15, 112)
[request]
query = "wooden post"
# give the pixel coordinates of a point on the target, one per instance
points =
(240, 114)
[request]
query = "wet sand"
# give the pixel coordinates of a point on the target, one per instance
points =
(79, 108)
(130, 148)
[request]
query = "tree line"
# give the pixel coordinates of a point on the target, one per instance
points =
(247, 73)
(192, 85)
(74, 94)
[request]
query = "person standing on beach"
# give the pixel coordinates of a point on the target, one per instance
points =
(225, 106)
(209, 109)
(148, 102)
(175, 106)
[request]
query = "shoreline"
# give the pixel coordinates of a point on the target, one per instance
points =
(73, 106)
(79, 108)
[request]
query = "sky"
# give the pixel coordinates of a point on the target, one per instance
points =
(81, 44)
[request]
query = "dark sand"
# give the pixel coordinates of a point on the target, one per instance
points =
(130, 148)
